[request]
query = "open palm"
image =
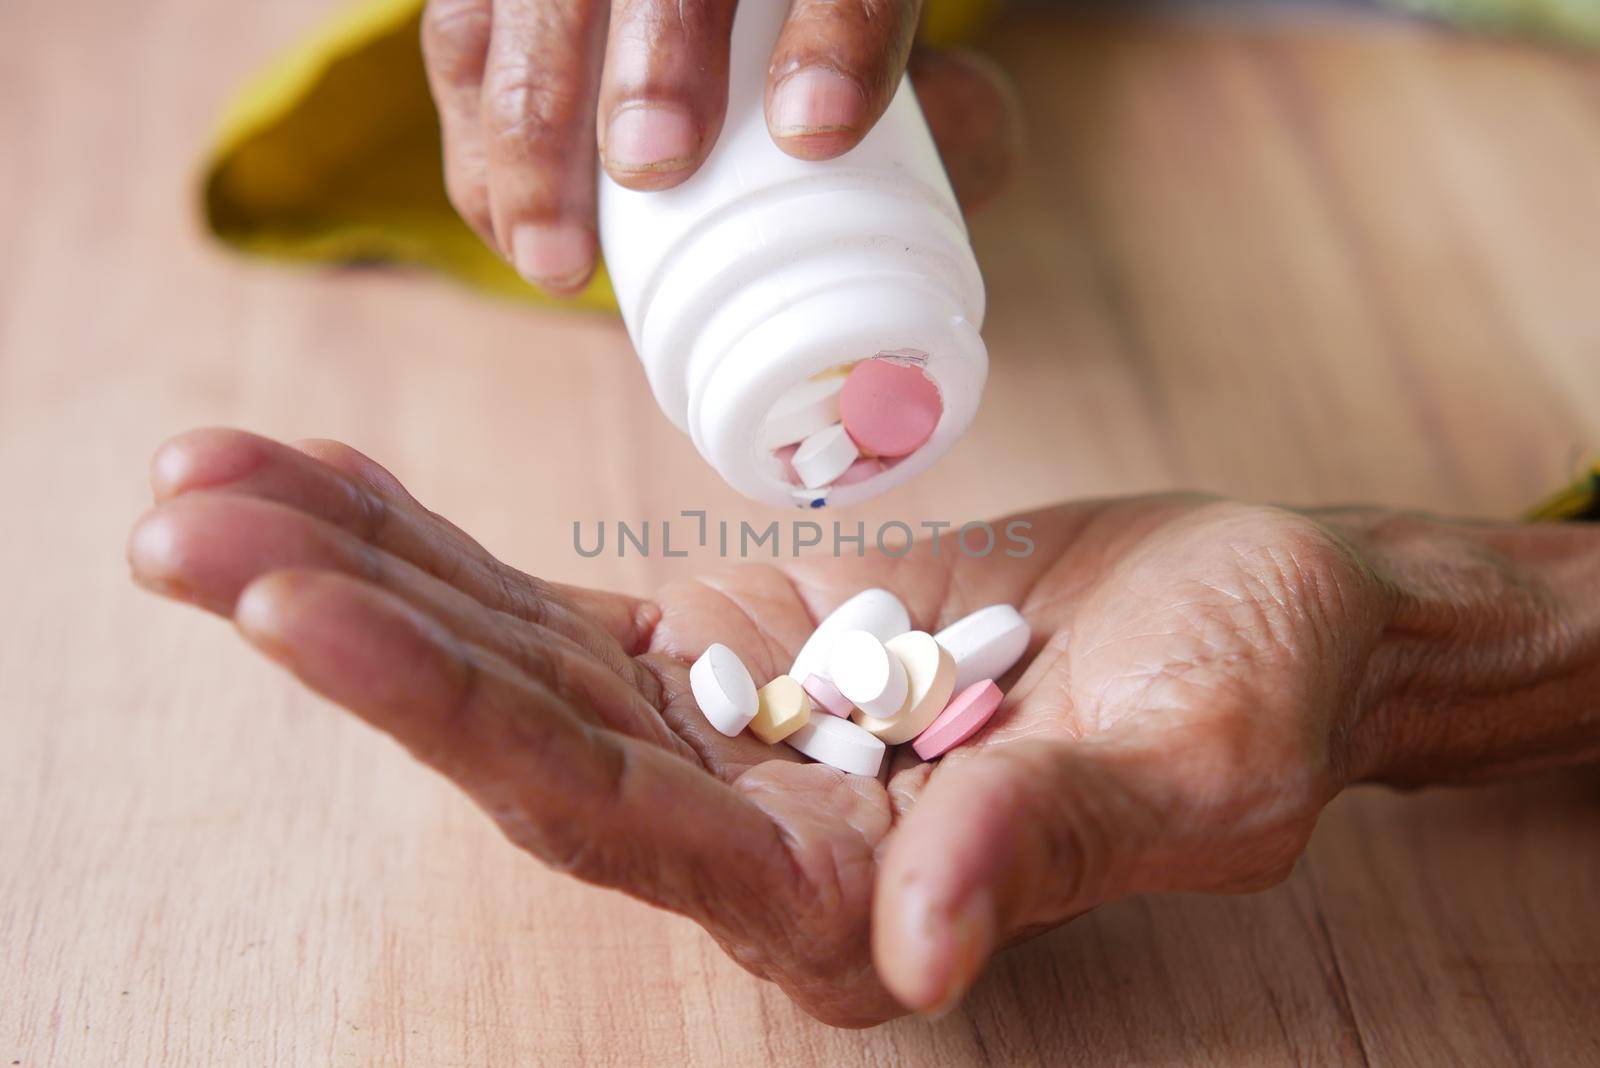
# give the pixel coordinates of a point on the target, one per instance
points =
(1182, 715)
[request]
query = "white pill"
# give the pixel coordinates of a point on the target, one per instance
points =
(802, 411)
(930, 677)
(878, 612)
(840, 744)
(824, 456)
(986, 644)
(723, 689)
(870, 676)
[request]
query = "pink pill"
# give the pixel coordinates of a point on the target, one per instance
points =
(962, 717)
(826, 694)
(859, 471)
(888, 408)
(785, 457)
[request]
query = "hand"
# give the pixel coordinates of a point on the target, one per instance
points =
(1203, 677)
(523, 86)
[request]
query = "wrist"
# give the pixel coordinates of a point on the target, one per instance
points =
(1488, 663)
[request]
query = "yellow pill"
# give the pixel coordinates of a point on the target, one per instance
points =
(782, 708)
(930, 677)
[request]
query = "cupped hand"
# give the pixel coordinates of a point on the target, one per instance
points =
(524, 88)
(1189, 702)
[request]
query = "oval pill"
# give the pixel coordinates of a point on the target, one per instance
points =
(824, 456)
(803, 410)
(868, 674)
(878, 612)
(930, 675)
(782, 708)
(985, 644)
(723, 689)
(890, 408)
(840, 744)
(827, 696)
(966, 713)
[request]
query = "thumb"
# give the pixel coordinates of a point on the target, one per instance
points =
(1007, 840)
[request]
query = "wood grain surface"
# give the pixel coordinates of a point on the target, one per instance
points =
(1311, 259)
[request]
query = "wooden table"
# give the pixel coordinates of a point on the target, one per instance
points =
(1308, 261)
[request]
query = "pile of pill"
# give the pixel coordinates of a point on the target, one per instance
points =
(850, 423)
(865, 680)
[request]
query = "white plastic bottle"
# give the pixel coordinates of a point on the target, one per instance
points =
(763, 270)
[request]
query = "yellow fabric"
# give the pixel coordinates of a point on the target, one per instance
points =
(1579, 501)
(332, 154)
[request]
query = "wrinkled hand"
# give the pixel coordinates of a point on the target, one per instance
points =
(524, 87)
(1203, 677)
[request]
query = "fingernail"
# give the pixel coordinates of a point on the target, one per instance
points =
(650, 137)
(971, 936)
(556, 256)
(816, 100)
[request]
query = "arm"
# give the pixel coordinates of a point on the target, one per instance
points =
(1490, 661)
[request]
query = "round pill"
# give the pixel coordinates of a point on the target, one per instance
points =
(803, 410)
(877, 611)
(860, 471)
(782, 708)
(840, 744)
(985, 644)
(868, 675)
(824, 456)
(723, 689)
(827, 696)
(967, 711)
(930, 677)
(889, 408)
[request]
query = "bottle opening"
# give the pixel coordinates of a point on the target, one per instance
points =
(851, 423)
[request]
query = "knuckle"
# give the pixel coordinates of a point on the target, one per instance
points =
(454, 29)
(455, 39)
(529, 106)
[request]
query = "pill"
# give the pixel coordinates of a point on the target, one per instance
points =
(840, 744)
(930, 680)
(962, 717)
(868, 674)
(810, 498)
(785, 457)
(985, 644)
(876, 611)
(860, 471)
(811, 406)
(782, 708)
(889, 408)
(723, 689)
(827, 696)
(824, 456)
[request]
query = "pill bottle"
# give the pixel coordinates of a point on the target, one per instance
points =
(763, 271)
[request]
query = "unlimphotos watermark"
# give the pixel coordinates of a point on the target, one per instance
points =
(743, 539)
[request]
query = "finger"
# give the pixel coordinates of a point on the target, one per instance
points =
(598, 805)
(836, 65)
(664, 89)
(339, 485)
(627, 619)
(206, 548)
(455, 43)
(1010, 838)
(974, 117)
(539, 87)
